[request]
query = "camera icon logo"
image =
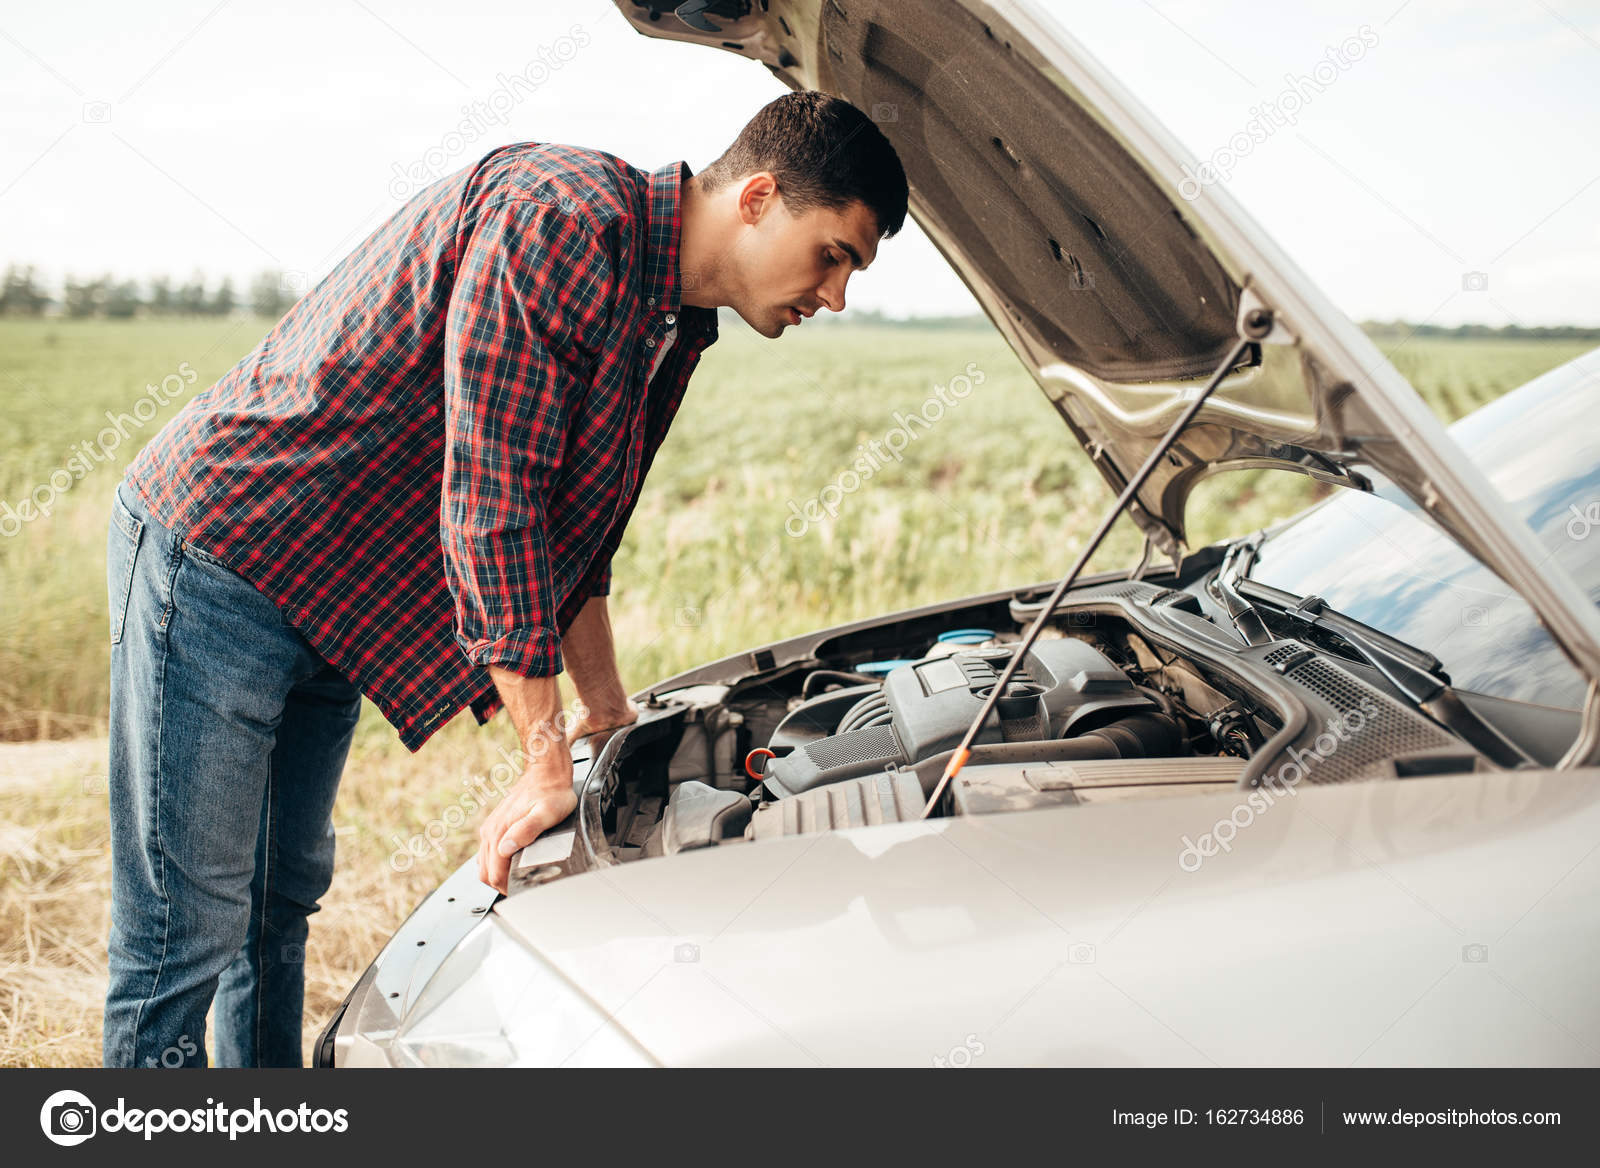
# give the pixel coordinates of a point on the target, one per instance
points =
(686, 953)
(292, 954)
(68, 1118)
(885, 111)
(295, 283)
(96, 113)
(1474, 616)
(1081, 953)
(1475, 281)
(686, 616)
(1475, 954)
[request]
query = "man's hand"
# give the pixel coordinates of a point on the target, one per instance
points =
(542, 798)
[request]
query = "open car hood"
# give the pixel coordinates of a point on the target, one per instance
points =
(1055, 196)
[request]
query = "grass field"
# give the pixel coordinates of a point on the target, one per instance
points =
(994, 494)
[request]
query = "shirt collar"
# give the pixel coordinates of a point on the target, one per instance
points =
(662, 281)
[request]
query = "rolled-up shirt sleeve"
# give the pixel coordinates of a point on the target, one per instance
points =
(533, 282)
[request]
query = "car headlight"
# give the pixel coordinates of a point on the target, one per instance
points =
(495, 1003)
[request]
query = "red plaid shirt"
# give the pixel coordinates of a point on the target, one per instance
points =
(429, 462)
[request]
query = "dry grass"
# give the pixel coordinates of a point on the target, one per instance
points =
(54, 888)
(55, 881)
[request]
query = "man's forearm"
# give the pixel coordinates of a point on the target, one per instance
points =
(533, 704)
(590, 657)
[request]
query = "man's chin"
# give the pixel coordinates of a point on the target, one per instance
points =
(770, 327)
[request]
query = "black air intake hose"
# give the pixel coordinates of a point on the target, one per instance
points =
(818, 678)
(1146, 735)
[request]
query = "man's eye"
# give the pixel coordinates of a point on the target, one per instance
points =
(830, 258)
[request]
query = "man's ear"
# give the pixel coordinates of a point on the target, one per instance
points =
(758, 194)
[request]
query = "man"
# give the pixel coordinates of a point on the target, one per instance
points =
(412, 490)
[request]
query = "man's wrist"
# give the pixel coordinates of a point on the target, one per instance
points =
(550, 772)
(607, 708)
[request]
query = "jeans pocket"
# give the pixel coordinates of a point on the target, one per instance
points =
(122, 554)
(205, 557)
(246, 597)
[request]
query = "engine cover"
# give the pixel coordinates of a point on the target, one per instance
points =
(924, 708)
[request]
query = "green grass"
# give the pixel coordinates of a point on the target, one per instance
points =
(993, 495)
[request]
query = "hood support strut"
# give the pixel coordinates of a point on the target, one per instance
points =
(1255, 323)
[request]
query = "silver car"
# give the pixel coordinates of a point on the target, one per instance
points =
(1324, 795)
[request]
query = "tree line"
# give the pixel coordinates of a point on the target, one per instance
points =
(24, 293)
(1380, 329)
(1395, 329)
(272, 293)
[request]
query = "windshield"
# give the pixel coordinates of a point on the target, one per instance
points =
(1378, 559)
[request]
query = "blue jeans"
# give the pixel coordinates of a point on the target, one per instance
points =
(228, 737)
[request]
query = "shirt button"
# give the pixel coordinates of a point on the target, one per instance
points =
(672, 318)
(652, 300)
(650, 342)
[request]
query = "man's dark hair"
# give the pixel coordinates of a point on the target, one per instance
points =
(824, 152)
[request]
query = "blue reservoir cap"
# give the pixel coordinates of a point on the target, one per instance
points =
(880, 667)
(967, 636)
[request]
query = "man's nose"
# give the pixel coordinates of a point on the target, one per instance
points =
(831, 292)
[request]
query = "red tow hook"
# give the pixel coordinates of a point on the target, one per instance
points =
(760, 752)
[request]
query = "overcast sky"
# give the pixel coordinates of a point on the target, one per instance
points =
(234, 136)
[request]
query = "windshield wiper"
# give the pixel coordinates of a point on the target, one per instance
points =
(1414, 673)
(1224, 583)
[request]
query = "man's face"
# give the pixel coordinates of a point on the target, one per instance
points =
(791, 266)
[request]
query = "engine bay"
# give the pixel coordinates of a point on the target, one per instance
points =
(852, 755)
(1135, 691)
(1063, 688)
